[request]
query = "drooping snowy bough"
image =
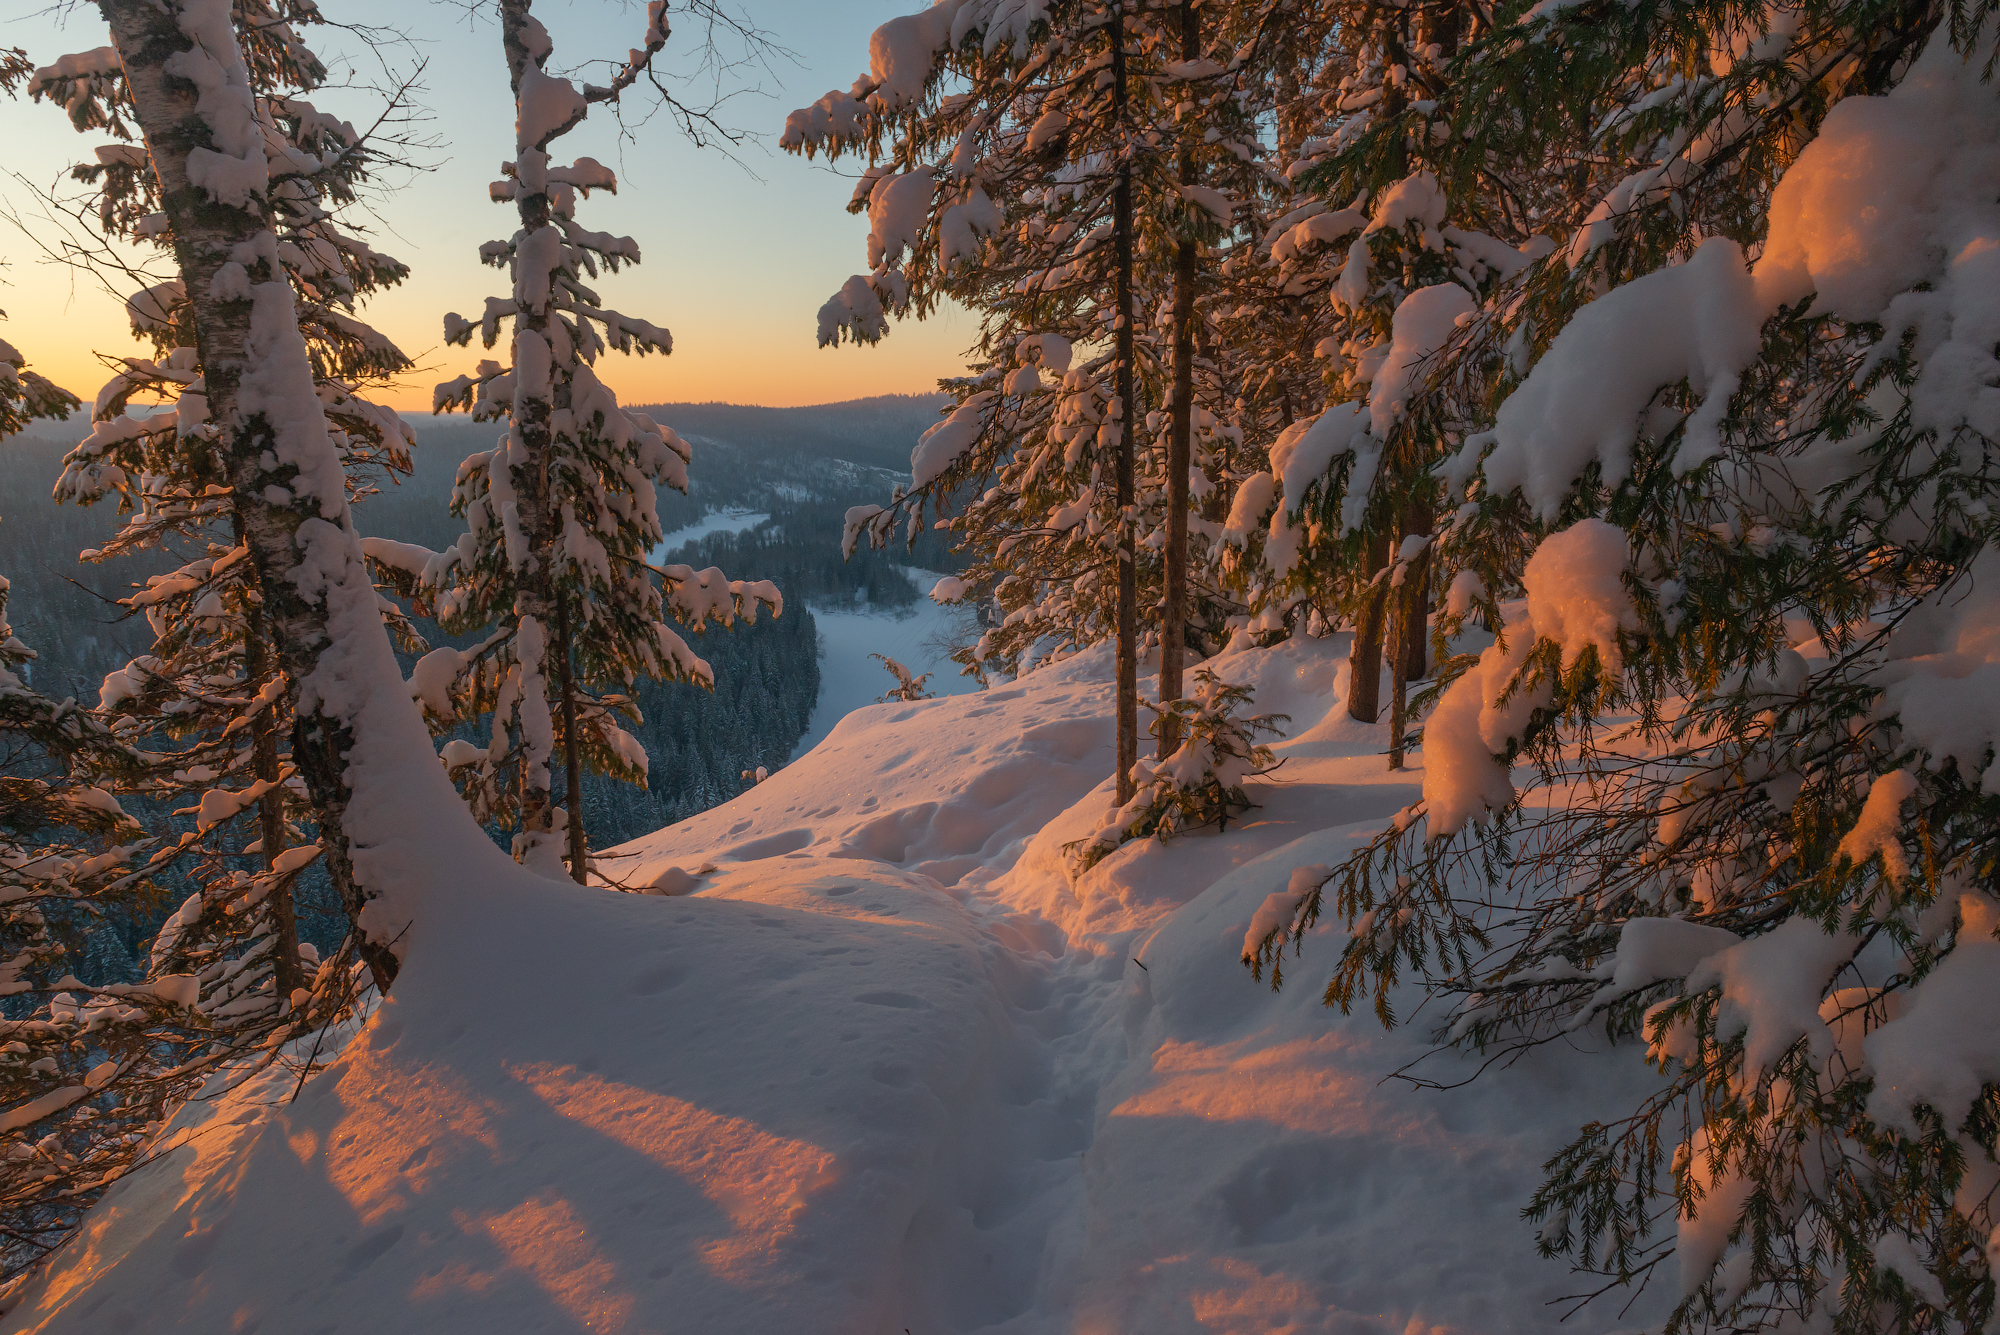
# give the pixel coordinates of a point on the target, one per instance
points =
(82, 1071)
(1725, 470)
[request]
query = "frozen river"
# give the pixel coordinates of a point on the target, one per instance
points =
(849, 678)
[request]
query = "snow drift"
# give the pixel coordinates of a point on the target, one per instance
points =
(887, 1067)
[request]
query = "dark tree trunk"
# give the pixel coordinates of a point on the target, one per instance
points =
(579, 849)
(1128, 585)
(286, 975)
(1416, 661)
(1409, 622)
(1364, 684)
(1173, 621)
(1408, 636)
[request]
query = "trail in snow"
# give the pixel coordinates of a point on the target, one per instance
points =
(889, 1067)
(849, 679)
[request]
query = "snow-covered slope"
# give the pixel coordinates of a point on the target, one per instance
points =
(886, 1069)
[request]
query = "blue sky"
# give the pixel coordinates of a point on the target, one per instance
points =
(738, 255)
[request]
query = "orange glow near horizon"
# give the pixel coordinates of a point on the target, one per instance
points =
(740, 246)
(747, 364)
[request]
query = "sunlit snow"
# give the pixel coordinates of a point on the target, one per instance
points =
(888, 1066)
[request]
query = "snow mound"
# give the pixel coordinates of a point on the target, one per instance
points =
(887, 1066)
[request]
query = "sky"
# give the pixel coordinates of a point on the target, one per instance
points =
(737, 254)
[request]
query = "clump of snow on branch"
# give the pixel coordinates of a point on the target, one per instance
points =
(1576, 599)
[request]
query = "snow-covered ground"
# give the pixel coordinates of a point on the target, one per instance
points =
(715, 521)
(850, 679)
(888, 1068)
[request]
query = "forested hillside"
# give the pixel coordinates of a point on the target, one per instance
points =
(63, 608)
(802, 466)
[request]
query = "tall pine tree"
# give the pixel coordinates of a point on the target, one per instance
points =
(1075, 176)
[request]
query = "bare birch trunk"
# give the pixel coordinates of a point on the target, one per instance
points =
(207, 234)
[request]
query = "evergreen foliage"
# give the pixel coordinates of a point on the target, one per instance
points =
(562, 512)
(1720, 471)
(84, 1071)
(1201, 782)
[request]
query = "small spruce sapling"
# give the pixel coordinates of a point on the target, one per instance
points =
(907, 688)
(1201, 782)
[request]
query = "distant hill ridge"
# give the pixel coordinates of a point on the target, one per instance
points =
(931, 400)
(878, 432)
(867, 424)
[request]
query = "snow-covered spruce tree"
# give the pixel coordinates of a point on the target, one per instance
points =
(209, 702)
(83, 1072)
(1214, 109)
(1372, 282)
(1034, 121)
(1072, 174)
(1749, 422)
(562, 512)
